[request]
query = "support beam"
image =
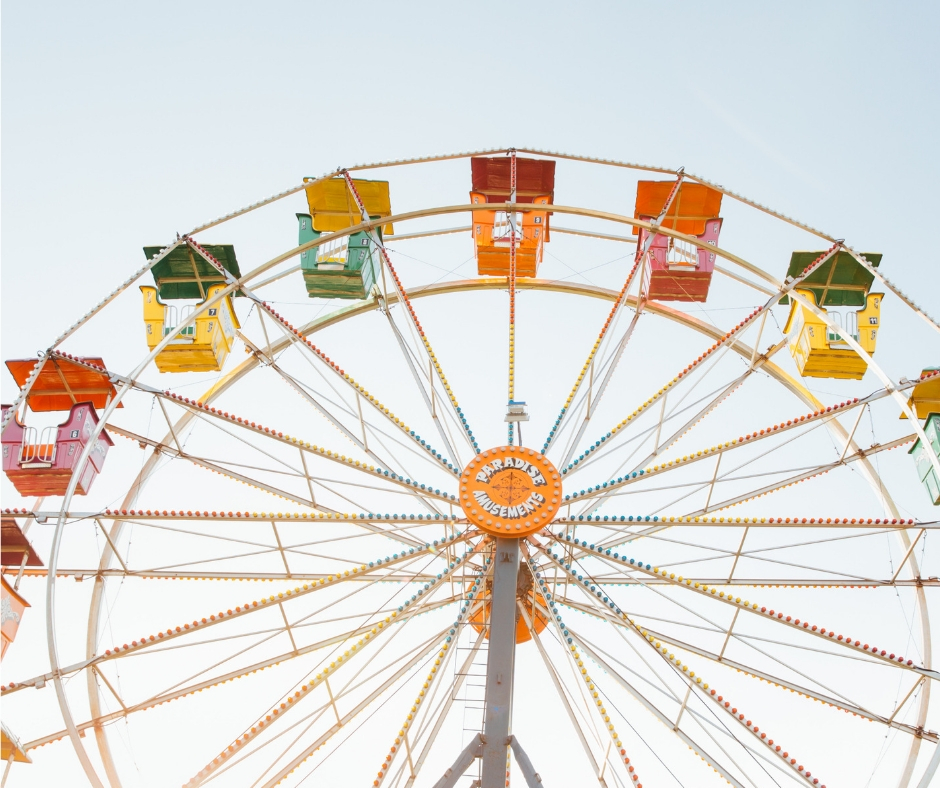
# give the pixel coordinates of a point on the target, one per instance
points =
(500, 662)
(455, 772)
(532, 778)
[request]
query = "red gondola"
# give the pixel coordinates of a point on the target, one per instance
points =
(678, 270)
(42, 463)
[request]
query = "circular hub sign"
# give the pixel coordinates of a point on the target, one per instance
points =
(510, 491)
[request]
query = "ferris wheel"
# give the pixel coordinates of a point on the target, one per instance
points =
(480, 491)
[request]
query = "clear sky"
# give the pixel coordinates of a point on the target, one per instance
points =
(121, 121)
(125, 123)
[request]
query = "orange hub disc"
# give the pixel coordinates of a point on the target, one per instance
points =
(510, 491)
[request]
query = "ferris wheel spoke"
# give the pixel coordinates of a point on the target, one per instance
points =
(709, 408)
(404, 668)
(174, 453)
(236, 753)
(562, 634)
(726, 342)
(370, 529)
(394, 525)
(604, 613)
(242, 423)
(577, 640)
(415, 323)
(835, 700)
(739, 719)
(592, 400)
(699, 615)
(860, 455)
(753, 608)
(732, 337)
(597, 610)
(729, 580)
(419, 606)
(418, 654)
(442, 712)
(372, 632)
(606, 447)
(470, 608)
(296, 338)
(822, 417)
(661, 446)
(724, 554)
(363, 445)
(605, 661)
(167, 697)
(579, 724)
(340, 576)
(673, 722)
(412, 718)
(429, 395)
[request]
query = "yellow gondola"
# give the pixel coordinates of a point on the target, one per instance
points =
(200, 347)
(925, 396)
(822, 353)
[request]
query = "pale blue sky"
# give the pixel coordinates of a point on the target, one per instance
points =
(128, 122)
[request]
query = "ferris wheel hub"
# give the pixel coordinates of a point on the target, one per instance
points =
(510, 491)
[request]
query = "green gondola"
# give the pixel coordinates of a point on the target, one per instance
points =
(344, 268)
(925, 469)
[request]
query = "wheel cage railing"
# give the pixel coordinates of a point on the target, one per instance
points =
(38, 446)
